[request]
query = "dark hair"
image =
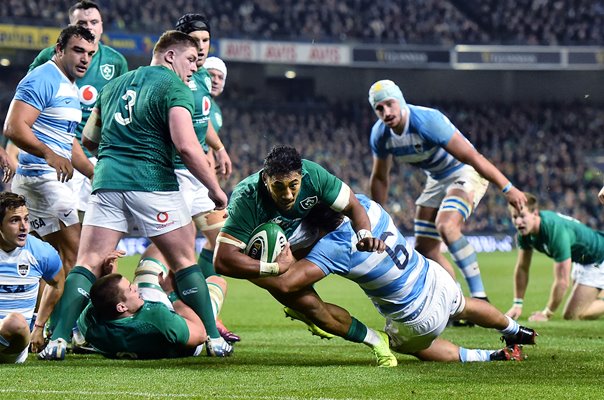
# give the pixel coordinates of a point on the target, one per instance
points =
(83, 5)
(322, 217)
(173, 39)
(105, 294)
(282, 160)
(73, 31)
(10, 200)
(192, 22)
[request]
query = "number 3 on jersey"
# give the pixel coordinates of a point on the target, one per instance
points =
(130, 99)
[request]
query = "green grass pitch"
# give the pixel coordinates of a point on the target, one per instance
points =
(279, 359)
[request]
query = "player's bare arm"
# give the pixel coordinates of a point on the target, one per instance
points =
(230, 260)
(224, 165)
(91, 134)
(17, 128)
(362, 226)
(187, 145)
(464, 152)
(380, 179)
(559, 287)
(80, 161)
(50, 296)
(197, 332)
(521, 277)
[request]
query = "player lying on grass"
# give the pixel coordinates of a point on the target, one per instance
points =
(416, 295)
(123, 321)
(24, 261)
(284, 192)
(572, 245)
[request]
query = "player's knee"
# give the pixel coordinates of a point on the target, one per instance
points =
(448, 228)
(14, 324)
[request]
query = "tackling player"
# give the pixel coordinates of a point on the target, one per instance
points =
(415, 295)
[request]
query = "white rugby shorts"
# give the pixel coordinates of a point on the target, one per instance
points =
(196, 195)
(49, 202)
(443, 299)
(153, 213)
(591, 275)
(435, 191)
(81, 187)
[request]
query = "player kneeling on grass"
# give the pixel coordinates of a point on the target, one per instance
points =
(572, 245)
(415, 295)
(120, 323)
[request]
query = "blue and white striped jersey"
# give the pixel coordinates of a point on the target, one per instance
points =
(20, 274)
(421, 144)
(393, 280)
(47, 89)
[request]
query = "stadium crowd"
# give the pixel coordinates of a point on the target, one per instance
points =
(558, 166)
(533, 22)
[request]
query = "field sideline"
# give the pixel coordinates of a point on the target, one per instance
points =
(279, 359)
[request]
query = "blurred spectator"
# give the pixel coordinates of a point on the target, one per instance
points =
(385, 21)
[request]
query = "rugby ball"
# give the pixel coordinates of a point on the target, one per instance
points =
(266, 242)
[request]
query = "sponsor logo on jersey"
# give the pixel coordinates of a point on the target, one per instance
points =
(192, 85)
(107, 71)
(189, 291)
(23, 269)
(218, 121)
(309, 202)
(208, 81)
(88, 95)
(37, 223)
(83, 293)
(206, 105)
(162, 217)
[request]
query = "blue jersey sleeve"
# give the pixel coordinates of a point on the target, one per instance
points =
(433, 126)
(35, 90)
(332, 253)
(48, 259)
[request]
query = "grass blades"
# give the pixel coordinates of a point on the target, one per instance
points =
(278, 359)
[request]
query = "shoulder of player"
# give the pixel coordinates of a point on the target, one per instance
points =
(103, 48)
(38, 247)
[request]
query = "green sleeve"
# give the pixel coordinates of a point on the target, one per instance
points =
(181, 96)
(327, 184)
(523, 242)
(242, 219)
(559, 243)
(171, 325)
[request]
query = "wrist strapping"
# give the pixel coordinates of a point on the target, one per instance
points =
(269, 269)
(507, 188)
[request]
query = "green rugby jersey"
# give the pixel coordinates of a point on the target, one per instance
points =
(106, 64)
(251, 205)
(200, 84)
(152, 332)
(216, 116)
(136, 152)
(562, 237)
